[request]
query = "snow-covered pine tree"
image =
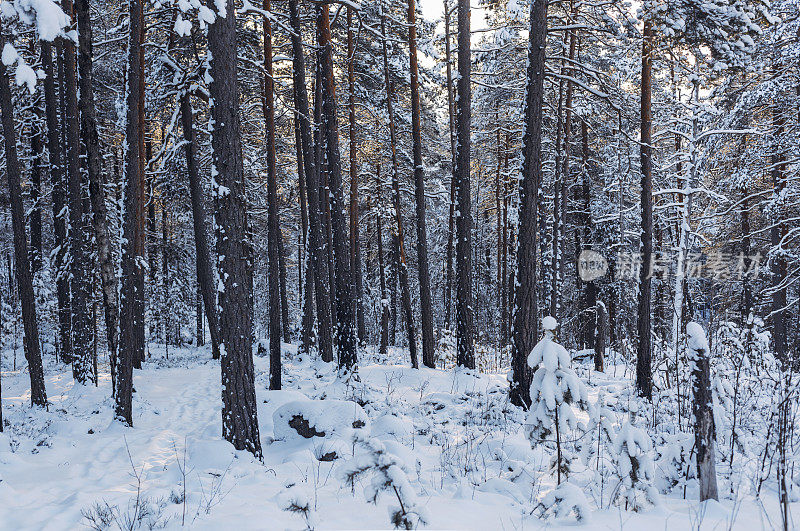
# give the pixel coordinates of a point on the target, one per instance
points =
(555, 391)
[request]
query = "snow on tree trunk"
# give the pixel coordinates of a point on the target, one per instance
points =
(23, 269)
(316, 242)
(239, 412)
(465, 322)
(703, 411)
(525, 319)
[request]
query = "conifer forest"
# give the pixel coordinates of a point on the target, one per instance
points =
(415, 264)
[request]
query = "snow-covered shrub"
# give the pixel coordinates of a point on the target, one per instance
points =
(446, 348)
(633, 454)
(297, 500)
(564, 500)
(743, 370)
(555, 389)
(594, 448)
(387, 475)
(674, 460)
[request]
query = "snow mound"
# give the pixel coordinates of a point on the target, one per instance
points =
(305, 419)
(392, 425)
(563, 500)
(503, 487)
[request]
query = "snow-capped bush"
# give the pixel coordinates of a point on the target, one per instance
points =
(564, 500)
(387, 475)
(674, 461)
(633, 454)
(555, 388)
(297, 500)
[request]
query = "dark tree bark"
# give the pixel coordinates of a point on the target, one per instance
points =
(644, 376)
(132, 257)
(79, 234)
(200, 331)
(94, 163)
(384, 340)
(287, 337)
(448, 286)
(465, 325)
(273, 221)
(157, 315)
(525, 327)
(37, 166)
(145, 147)
(593, 325)
(426, 309)
(355, 240)
(316, 253)
(321, 167)
(305, 268)
(398, 242)
(498, 206)
(165, 302)
(58, 198)
(600, 336)
(239, 412)
(205, 274)
(345, 302)
(504, 284)
(393, 269)
(778, 267)
(557, 188)
(23, 274)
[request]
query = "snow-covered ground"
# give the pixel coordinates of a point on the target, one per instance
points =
(453, 435)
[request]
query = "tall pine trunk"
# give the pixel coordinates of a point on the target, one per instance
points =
(398, 240)
(316, 252)
(644, 377)
(345, 302)
(22, 270)
(79, 235)
(465, 325)
(525, 317)
(384, 339)
(273, 222)
(94, 163)
(305, 280)
(426, 309)
(132, 258)
(239, 411)
(205, 274)
(778, 267)
(56, 166)
(37, 167)
(355, 240)
(448, 286)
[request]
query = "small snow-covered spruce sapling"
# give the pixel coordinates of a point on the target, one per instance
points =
(633, 454)
(594, 449)
(387, 476)
(297, 500)
(555, 389)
